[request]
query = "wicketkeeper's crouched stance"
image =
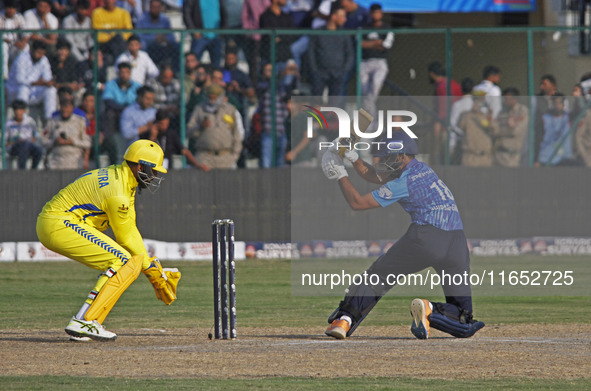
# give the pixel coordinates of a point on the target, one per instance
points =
(435, 239)
(71, 224)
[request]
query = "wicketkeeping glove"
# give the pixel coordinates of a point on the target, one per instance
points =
(164, 281)
(332, 166)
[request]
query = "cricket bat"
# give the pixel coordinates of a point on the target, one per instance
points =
(365, 119)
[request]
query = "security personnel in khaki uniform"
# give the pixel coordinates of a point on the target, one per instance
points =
(583, 139)
(512, 131)
(71, 224)
(478, 128)
(212, 128)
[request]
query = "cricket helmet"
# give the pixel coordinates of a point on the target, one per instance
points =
(149, 156)
(391, 153)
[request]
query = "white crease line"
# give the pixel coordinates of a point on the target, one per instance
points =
(159, 330)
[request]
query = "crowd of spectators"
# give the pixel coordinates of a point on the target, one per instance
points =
(490, 126)
(228, 79)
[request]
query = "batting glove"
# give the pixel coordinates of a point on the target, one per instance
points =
(349, 154)
(332, 166)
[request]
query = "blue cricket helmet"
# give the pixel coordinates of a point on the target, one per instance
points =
(390, 155)
(400, 142)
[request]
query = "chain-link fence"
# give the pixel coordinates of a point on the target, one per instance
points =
(220, 98)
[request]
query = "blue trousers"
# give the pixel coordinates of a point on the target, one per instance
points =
(25, 149)
(422, 246)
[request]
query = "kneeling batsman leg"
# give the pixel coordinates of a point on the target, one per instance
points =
(117, 282)
(164, 281)
(464, 329)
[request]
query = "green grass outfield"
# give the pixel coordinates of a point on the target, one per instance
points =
(37, 296)
(63, 383)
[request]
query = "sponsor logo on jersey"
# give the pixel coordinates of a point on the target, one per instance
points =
(385, 193)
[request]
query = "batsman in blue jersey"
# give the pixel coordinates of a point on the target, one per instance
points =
(435, 239)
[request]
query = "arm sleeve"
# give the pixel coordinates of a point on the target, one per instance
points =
(389, 41)
(109, 92)
(22, 73)
(187, 14)
(391, 192)
(128, 128)
(83, 140)
(47, 74)
(121, 216)
(153, 70)
(128, 25)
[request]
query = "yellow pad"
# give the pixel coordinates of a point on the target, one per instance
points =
(113, 289)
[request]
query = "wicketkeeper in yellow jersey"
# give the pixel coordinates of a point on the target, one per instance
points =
(71, 224)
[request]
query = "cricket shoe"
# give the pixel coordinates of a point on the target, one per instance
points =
(338, 329)
(80, 339)
(89, 328)
(420, 311)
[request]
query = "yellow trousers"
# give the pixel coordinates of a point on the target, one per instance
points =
(82, 243)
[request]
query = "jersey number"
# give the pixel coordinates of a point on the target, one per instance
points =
(442, 190)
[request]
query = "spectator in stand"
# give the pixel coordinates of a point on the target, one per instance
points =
(118, 94)
(301, 151)
(168, 138)
(138, 117)
(214, 132)
(41, 18)
(81, 43)
(205, 14)
(87, 110)
(357, 18)
(85, 72)
(479, 128)
(161, 47)
(197, 95)
(328, 55)
(61, 8)
(301, 12)
(281, 113)
(491, 76)
(110, 17)
(142, 66)
(556, 148)
(456, 134)
(216, 76)
(66, 140)
(63, 67)
(134, 7)
(21, 137)
(167, 93)
(63, 92)
(238, 83)
(30, 79)
(437, 76)
(542, 106)
(191, 64)
(512, 131)
(374, 54)
(251, 13)
(275, 18)
(13, 42)
(583, 132)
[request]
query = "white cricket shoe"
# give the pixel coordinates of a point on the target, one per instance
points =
(90, 329)
(79, 339)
